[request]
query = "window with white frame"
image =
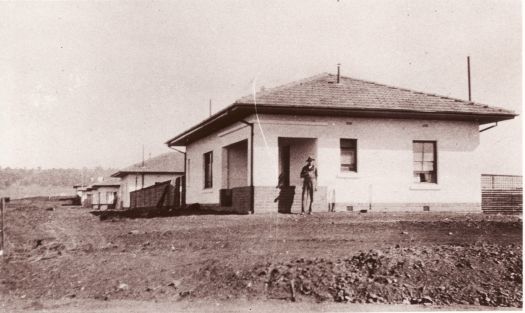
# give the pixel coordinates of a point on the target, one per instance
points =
(425, 165)
(348, 149)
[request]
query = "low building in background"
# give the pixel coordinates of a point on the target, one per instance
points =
(165, 167)
(104, 194)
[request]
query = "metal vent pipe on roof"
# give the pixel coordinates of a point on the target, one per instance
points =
(468, 77)
(338, 72)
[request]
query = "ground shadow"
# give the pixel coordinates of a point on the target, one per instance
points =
(285, 199)
(158, 212)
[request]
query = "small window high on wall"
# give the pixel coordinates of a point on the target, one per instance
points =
(208, 169)
(425, 165)
(348, 155)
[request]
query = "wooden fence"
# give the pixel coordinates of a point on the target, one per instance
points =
(501, 194)
(160, 195)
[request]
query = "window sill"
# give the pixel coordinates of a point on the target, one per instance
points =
(348, 175)
(424, 186)
(207, 190)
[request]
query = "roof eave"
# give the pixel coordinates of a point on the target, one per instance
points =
(244, 109)
(231, 113)
(482, 118)
(204, 122)
(100, 186)
(124, 173)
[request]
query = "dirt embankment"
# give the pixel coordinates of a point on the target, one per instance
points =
(478, 275)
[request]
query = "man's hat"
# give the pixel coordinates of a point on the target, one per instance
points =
(310, 159)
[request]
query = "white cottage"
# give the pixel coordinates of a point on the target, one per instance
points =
(102, 195)
(377, 148)
(164, 167)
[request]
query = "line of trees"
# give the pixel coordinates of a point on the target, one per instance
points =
(51, 177)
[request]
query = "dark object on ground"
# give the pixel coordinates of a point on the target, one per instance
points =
(155, 212)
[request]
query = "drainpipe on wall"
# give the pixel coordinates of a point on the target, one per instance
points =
(252, 190)
(183, 194)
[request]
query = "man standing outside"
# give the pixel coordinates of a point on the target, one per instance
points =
(309, 176)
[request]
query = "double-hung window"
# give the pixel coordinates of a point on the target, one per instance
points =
(425, 165)
(208, 170)
(348, 155)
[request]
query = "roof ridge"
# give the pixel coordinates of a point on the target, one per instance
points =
(326, 74)
(284, 86)
(140, 163)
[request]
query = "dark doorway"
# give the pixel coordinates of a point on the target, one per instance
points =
(284, 166)
(286, 192)
(293, 153)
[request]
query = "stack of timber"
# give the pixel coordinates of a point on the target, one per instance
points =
(502, 194)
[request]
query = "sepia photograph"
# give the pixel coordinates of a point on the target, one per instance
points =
(261, 156)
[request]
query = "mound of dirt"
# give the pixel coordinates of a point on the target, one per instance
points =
(477, 274)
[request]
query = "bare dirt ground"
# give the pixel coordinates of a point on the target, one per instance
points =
(165, 306)
(66, 260)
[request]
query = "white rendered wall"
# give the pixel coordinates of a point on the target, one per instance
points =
(235, 165)
(384, 154)
(385, 157)
(195, 192)
(104, 195)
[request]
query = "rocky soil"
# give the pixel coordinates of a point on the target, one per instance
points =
(488, 275)
(57, 253)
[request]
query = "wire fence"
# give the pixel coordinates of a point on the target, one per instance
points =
(501, 182)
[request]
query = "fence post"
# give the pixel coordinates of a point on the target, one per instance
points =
(2, 229)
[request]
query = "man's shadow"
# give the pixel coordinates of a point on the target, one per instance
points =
(286, 195)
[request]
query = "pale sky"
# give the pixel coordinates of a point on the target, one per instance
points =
(88, 83)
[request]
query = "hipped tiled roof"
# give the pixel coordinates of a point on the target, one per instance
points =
(170, 162)
(322, 95)
(324, 91)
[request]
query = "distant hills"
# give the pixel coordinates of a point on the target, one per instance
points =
(20, 182)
